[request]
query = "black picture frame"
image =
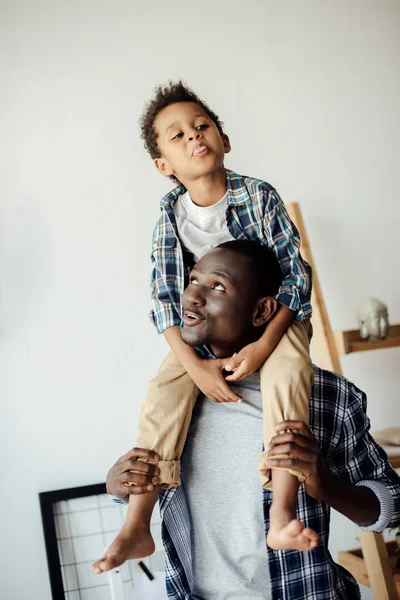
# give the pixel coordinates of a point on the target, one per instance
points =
(47, 500)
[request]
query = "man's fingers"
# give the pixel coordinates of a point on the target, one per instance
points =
(296, 451)
(292, 438)
(298, 425)
(134, 490)
(139, 453)
(137, 478)
(289, 463)
(138, 465)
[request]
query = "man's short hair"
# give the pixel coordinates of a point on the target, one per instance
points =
(264, 264)
(164, 96)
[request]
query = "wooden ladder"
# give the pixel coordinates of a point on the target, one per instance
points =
(371, 565)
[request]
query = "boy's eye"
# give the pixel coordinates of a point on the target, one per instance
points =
(202, 127)
(177, 136)
(219, 287)
(194, 281)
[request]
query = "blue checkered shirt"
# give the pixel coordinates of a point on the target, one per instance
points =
(255, 212)
(338, 420)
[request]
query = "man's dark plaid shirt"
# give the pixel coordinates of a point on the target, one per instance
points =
(338, 420)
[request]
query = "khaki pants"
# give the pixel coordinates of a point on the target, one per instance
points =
(286, 380)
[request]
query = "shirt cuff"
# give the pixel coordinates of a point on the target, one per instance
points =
(386, 502)
(117, 500)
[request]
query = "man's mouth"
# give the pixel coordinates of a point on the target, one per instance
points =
(191, 318)
(200, 150)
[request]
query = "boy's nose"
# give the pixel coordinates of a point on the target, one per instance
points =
(194, 136)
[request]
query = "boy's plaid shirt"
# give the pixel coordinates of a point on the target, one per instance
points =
(255, 212)
(338, 420)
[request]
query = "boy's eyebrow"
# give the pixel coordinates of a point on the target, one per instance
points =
(178, 122)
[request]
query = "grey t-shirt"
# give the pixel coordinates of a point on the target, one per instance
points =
(223, 490)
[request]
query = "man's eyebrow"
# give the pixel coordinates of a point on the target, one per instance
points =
(224, 275)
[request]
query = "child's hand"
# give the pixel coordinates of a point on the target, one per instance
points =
(207, 375)
(246, 362)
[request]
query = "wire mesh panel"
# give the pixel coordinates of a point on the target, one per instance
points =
(79, 523)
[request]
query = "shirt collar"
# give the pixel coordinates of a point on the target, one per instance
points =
(237, 192)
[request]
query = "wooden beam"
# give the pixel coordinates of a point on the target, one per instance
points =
(323, 344)
(376, 559)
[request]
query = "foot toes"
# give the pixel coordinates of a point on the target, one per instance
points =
(294, 528)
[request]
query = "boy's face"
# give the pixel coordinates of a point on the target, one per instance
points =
(189, 142)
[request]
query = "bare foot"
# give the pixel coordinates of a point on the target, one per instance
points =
(128, 544)
(285, 534)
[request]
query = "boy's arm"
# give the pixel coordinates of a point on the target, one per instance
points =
(207, 374)
(250, 359)
(282, 236)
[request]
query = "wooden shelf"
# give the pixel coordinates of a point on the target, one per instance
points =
(353, 561)
(350, 341)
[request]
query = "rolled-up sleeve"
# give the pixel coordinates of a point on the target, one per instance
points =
(360, 460)
(283, 237)
(386, 502)
(163, 312)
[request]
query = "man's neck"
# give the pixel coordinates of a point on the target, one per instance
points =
(208, 190)
(226, 351)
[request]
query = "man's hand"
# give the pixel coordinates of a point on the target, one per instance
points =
(306, 457)
(207, 375)
(247, 361)
(121, 481)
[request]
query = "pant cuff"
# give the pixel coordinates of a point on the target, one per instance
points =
(169, 476)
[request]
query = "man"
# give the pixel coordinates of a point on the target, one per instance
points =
(214, 525)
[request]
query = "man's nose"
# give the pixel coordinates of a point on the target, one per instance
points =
(194, 296)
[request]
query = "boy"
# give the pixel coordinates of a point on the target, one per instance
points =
(210, 206)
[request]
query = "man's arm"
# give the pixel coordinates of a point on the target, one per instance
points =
(367, 497)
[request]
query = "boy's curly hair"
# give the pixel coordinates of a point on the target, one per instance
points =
(163, 97)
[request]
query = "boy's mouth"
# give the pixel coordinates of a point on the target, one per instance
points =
(200, 150)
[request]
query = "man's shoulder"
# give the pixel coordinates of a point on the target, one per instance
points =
(330, 387)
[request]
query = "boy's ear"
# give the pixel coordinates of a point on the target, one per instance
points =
(226, 142)
(266, 308)
(163, 166)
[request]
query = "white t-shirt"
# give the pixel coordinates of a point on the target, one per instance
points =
(201, 228)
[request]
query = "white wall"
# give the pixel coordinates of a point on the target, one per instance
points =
(310, 94)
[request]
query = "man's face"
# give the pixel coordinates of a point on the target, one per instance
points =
(219, 303)
(189, 142)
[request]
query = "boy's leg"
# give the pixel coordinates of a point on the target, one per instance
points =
(286, 380)
(134, 539)
(163, 426)
(165, 418)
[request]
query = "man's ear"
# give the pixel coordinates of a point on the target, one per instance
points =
(163, 166)
(226, 142)
(266, 308)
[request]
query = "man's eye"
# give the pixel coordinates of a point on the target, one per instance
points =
(177, 136)
(194, 281)
(219, 287)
